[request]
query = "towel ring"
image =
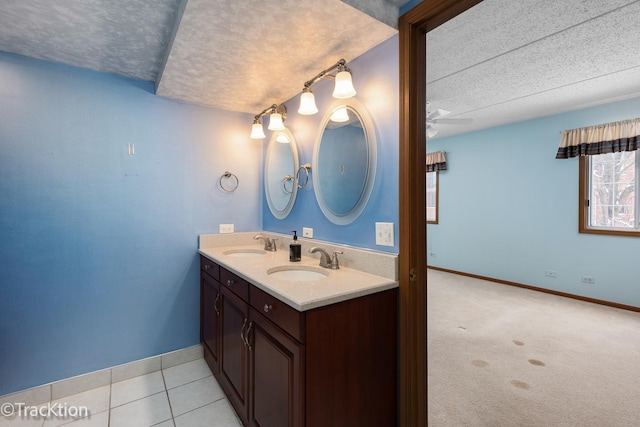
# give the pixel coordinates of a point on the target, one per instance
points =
(307, 168)
(228, 174)
(284, 183)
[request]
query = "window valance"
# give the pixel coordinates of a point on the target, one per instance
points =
(600, 139)
(436, 161)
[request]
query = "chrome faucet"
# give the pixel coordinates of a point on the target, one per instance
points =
(326, 260)
(269, 244)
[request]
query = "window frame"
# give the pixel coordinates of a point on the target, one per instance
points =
(584, 190)
(437, 206)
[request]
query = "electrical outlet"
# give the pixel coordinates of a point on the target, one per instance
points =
(226, 228)
(587, 279)
(307, 232)
(551, 273)
(384, 233)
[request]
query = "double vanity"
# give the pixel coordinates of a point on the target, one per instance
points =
(296, 344)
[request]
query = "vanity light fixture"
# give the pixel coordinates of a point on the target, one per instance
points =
(343, 87)
(307, 102)
(257, 132)
(276, 121)
(277, 114)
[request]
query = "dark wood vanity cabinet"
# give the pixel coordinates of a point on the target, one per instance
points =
(233, 375)
(330, 366)
(210, 300)
(277, 375)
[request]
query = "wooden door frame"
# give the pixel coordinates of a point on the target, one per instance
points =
(412, 259)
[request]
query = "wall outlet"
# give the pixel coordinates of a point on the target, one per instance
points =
(384, 233)
(551, 273)
(307, 232)
(587, 279)
(226, 228)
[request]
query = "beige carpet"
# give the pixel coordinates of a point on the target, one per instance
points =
(505, 356)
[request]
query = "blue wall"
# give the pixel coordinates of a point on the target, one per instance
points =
(509, 210)
(98, 262)
(375, 78)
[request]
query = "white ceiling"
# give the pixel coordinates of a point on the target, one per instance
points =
(504, 61)
(500, 62)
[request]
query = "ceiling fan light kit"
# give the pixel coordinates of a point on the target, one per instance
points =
(437, 116)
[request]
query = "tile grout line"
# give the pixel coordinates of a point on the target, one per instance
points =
(110, 396)
(167, 393)
(137, 400)
(224, 397)
(189, 382)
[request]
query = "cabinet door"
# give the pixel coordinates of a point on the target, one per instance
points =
(234, 363)
(210, 321)
(277, 375)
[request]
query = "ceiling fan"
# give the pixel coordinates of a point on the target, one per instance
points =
(435, 117)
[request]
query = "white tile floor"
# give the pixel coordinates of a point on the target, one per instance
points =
(185, 395)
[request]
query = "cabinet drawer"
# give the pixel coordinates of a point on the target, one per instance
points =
(238, 286)
(287, 318)
(210, 267)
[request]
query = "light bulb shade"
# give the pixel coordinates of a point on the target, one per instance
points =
(257, 132)
(340, 115)
(307, 103)
(275, 122)
(344, 86)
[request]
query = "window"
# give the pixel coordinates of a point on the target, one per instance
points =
(610, 194)
(435, 162)
(432, 197)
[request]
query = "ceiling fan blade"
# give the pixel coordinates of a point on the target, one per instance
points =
(432, 115)
(454, 121)
(431, 132)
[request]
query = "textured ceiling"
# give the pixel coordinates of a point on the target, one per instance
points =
(245, 56)
(235, 55)
(125, 37)
(504, 60)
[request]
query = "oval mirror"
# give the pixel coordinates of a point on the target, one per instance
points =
(344, 161)
(280, 166)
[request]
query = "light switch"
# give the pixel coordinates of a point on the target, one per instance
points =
(384, 234)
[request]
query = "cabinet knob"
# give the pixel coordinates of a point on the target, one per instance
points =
(267, 308)
(207, 266)
(229, 282)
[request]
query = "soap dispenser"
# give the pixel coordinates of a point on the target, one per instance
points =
(295, 248)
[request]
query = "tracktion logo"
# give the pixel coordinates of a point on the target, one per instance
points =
(50, 410)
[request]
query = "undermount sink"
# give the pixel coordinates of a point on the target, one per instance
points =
(244, 253)
(299, 273)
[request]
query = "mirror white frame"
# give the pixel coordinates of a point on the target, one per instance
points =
(277, 166)
(358, 109)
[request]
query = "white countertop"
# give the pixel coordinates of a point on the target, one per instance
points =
(339, 285)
